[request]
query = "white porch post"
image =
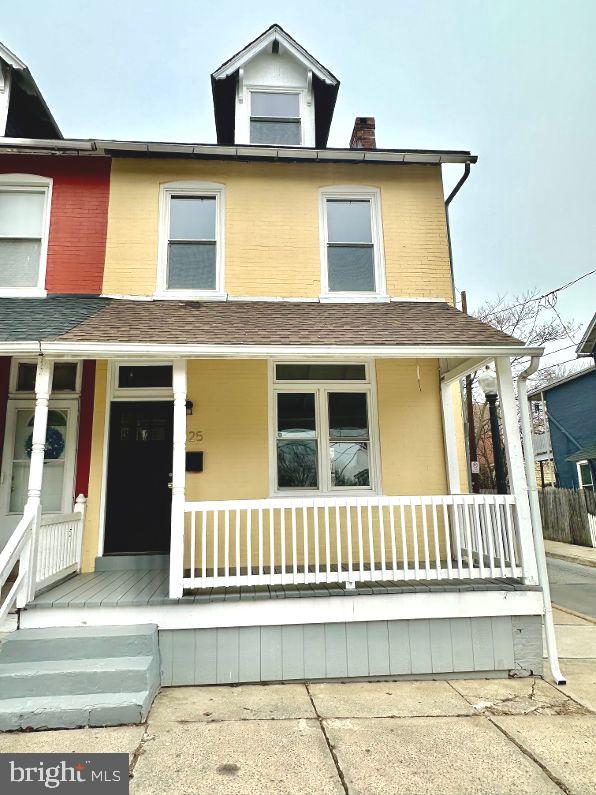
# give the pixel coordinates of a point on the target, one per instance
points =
(43, 388)
(450, 440)
(178, 480)
(515, 466)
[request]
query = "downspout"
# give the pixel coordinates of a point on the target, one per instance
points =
(526, 428)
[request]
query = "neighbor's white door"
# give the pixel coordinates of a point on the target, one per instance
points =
(59, 462)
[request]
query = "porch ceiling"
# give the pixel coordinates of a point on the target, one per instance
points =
(105, 326)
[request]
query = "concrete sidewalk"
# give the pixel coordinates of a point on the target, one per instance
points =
(487, 737)
(586, 556)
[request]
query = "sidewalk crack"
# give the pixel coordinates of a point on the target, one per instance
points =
(340, 772)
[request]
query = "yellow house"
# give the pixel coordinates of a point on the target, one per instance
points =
(275, 408)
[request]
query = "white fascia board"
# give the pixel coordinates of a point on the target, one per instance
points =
(267, 38)
(10, 58)
(306, 610)
(99, 350)
(47, 143)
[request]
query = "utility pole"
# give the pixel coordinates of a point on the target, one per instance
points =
(474, 466)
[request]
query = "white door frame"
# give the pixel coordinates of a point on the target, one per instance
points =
(71, 405)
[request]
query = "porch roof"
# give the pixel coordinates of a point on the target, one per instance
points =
(69, 323)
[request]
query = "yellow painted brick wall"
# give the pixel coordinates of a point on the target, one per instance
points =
(272, 225)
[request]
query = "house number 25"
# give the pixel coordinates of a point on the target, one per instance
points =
(195, 436)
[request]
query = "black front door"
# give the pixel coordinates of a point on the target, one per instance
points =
(138, 499)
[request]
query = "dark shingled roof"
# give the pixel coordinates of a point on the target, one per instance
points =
(104, 320)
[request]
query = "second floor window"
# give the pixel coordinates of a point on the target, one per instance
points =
(275, 118)
(352, 257)
(191, 241)
(23, 233)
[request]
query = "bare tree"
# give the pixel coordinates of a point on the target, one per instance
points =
(536, 321)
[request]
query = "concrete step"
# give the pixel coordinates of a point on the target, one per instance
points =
(71, 712)
(73, 677)
(79, 643)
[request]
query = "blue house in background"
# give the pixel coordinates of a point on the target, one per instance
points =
(570, 405)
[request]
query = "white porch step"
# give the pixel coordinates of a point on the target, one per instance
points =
(71, 712)
(78, 676)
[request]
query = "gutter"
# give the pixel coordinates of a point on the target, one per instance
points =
(524, 413)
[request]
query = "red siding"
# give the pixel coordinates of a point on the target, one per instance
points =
(85, 429)
(78, 219)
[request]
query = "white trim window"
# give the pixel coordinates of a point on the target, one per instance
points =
(191, 240)
(324, 438)
(146, 380)
(352, 258)
(24, 226)
(584, 475)
(66, 377)
(275, 116)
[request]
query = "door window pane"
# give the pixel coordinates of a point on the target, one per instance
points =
(348, 221)
(282, 133)
(351, 269)
(139, 376)
(276, 104)
(192, 266)
(192, 218)
(53, 470)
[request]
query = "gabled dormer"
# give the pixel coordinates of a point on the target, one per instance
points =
(23, 110)
(273, 92)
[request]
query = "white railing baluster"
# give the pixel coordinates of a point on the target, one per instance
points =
(334, 535)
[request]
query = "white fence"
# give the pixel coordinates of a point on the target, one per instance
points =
(58, 540)
(353, 539)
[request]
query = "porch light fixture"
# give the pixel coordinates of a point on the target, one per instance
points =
(488, 383)
(189, 408)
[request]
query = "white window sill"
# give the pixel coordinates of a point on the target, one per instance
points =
(354, 298)
(23, 292)
(309, 495)
(190, 295)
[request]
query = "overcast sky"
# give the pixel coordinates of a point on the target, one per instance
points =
(514, 81)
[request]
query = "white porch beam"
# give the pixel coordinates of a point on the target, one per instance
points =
(450, 440)
(515, 466)
(464, 368)
(43, 388)
(179, 384)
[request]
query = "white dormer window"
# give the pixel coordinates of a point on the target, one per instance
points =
(275, 118)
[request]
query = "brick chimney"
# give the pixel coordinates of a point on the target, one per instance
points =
(363, 134)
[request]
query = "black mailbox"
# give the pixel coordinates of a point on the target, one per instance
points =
(194, 461)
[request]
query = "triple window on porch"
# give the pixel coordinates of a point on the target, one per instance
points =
(322, 431)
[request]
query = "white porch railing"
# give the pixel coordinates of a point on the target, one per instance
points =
(350, 539)
(58, 540)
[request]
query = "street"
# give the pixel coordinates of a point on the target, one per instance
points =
(572, 586)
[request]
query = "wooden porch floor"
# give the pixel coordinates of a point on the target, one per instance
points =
(142, 588)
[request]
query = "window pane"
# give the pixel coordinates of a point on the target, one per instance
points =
(19, 263)
(284, 133)
(21, 213)
(281, 106)
(26, 377)
(349, 464)
(348, 221)
(320, 372)
(192, 218)
(65, 377)
(351, 269)
(296, 415)
(585, 474)
(348, 415)
(136, 377)
(297, 464)
(191, 266)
